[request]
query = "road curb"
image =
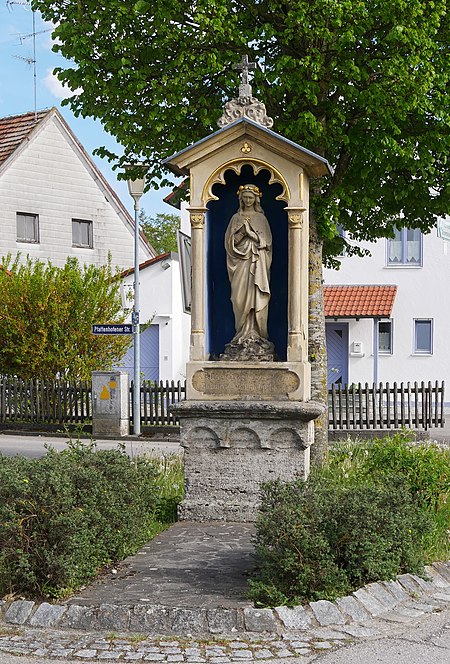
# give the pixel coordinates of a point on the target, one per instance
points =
(393, 601)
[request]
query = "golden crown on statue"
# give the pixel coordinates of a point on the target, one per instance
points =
(249, 187)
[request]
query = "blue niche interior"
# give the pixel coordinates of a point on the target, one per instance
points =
(220, 317)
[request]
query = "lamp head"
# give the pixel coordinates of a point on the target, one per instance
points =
(136, 185)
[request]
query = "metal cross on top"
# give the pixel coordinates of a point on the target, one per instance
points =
(244, 66)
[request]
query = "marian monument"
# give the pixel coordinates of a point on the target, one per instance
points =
(248, 415)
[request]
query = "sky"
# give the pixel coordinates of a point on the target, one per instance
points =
(17, 92)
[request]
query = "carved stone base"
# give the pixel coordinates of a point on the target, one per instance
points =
(232, 447)
(253, 349)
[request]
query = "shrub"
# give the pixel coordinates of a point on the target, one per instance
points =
(325, 537)
(425, 467)
(65, 516)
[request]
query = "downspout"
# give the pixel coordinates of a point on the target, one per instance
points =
(375, 349)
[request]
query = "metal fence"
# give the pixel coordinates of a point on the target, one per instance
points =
(386, 406)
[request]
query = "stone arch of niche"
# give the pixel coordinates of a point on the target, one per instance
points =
(218, 177)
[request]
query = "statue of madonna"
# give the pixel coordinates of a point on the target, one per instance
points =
(248, 244)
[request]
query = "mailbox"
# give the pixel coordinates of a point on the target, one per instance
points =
(357, 349)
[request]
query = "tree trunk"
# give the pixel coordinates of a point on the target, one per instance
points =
(317, 342)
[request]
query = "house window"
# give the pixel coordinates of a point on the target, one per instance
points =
(27, 227)
(405, 248)
(423, 336)
(385, 336)
(82, 233)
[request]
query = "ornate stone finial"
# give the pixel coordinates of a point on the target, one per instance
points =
(245, 105)
(245, 89)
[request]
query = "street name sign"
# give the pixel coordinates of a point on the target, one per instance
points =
(107, 328)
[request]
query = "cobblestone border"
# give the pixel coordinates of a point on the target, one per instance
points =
(396, 601)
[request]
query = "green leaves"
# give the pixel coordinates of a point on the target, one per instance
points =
(47, 315)
(65, 516)
(161, 231)
(371, 512)
(364, 84)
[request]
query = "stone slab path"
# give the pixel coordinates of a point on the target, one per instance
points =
(189, 565)
(182, 598)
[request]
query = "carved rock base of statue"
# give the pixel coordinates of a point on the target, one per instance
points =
(230, 448)
(253, 349)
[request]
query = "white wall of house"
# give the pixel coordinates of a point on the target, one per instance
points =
(51, 177)
(160, 303)
(421, 294)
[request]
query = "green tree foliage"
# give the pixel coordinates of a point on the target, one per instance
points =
(47, 314)
(363, 83)
(161, 231)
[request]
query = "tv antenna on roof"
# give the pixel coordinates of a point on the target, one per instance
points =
(30, 60)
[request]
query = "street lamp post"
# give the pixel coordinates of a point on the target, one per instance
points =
(136, 188)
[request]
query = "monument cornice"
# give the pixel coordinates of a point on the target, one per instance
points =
(182, 162)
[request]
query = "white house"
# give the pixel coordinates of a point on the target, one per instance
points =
(54, 202)
(387, 315)
(165, 342)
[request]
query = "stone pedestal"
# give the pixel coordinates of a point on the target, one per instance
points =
(231, 447)
(248, 381)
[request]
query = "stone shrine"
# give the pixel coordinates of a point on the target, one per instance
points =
(247, 417)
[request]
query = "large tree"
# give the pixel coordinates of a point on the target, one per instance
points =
(46, 316)
(364, 83)
(160, 230)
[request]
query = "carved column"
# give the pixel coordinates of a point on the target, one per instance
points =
(197, 217)
(297, 285)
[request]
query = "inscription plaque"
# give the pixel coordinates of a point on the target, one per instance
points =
(248, 383)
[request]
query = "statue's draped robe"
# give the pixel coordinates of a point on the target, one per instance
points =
(248, 264)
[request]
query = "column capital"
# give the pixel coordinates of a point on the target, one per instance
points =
(295, 218)
(197, 217)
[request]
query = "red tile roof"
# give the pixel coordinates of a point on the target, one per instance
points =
(147, 263)
(359, 301)
(14, 129)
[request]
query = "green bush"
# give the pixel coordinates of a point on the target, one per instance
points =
(372, 512)
(425, 467)
(65, 516)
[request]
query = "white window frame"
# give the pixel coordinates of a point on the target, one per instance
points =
(89, 224)
(31, 238)
(404, 242)
(391, 349)
(422, 351)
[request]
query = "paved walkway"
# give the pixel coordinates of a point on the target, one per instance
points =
(189, 584)
(191, 565)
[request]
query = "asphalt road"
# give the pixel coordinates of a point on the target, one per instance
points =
(426, 642)
(35, 446)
